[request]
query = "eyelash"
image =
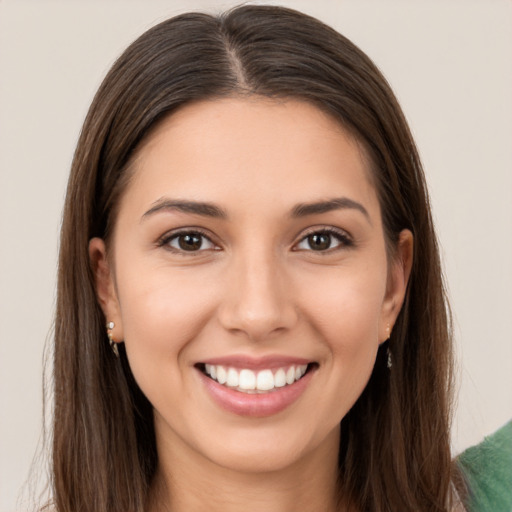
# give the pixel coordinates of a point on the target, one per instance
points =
(166, 240)
(345, 241)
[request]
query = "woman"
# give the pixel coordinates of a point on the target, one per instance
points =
(250, 304)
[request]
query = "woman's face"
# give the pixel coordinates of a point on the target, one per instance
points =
(249, 280)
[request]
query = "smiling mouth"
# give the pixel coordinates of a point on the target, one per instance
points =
(249, 381)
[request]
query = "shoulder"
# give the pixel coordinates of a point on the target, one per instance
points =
(487, 470)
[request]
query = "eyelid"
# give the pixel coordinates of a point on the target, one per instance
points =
(345, 239)
(164, 240)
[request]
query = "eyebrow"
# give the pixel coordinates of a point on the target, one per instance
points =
(339, 203)
(211, 210)
(195, 207)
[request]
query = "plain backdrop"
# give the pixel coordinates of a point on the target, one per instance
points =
(450, 64)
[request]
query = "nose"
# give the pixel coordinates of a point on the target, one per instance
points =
(258, 302)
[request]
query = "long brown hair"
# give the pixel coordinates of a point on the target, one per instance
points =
(394, 452)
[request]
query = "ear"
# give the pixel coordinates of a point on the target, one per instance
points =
(398, 277)
(105, 286)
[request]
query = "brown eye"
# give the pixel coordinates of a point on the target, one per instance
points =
(190, 242)
(324, 240)
(319, 241)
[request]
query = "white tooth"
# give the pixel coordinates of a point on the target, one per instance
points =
(303, 368)
(265, 380)
(247, 379)
(280, 378)
(221, 375)
(290, 375)
(208, 369)
(213, 371)
(232, 378)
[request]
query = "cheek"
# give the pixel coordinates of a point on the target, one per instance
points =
(162, 312)
(341, 308)
(346, 316)
(346, 307)
(164, 301)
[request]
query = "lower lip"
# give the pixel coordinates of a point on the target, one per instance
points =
(256, 405)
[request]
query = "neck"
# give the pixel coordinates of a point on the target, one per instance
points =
(185, 481)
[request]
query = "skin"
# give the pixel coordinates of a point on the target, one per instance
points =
(255, 288)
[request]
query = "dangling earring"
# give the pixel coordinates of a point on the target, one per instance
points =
(388, 352)
(113, 344)
(390, 359)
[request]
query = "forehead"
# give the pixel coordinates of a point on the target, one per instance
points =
(277, 152)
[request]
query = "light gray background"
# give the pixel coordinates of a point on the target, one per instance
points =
(450, 63)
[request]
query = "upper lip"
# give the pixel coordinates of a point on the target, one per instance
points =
(256, 363)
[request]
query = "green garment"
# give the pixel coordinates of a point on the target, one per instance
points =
(487, 468)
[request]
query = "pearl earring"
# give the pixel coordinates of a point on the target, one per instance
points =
(388, 352)
(113, 344)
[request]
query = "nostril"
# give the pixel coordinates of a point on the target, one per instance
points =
(257, 306)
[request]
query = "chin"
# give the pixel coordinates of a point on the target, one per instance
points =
(266, 449)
